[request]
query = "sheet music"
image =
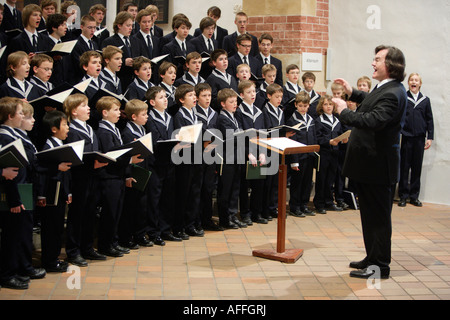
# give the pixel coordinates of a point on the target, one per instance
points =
(282, 143)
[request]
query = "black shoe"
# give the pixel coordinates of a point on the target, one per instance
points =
(14, 283)
(229, 225)
(368, 273)
(359, 264)
(307, 212)
(402, 203)
(60, 266)
(240, 224)
(297, 213)
(170, 237)
(212, 227)
(78, 261)
(144, 242)
(342, 205)
(36, 273)
(248, 221)
(261, 220)
(193, 232)
(129, 245)
(416, 202)
(182, 235)
(321, 211)
(122, 249)
(94, 255)
(111, 252)
(158, 241)
(333, 207)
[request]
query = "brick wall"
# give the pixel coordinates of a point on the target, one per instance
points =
(295, 34)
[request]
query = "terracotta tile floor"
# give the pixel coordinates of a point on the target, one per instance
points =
(221, 266)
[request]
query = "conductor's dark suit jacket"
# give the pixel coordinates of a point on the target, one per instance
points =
(373, 152)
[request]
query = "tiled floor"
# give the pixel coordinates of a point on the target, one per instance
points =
(221, 266)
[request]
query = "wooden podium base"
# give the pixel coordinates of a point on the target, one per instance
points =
(288, 256)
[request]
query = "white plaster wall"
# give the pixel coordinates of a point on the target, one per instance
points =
(421, 30)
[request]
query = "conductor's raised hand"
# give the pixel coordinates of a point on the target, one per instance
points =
(347, 87)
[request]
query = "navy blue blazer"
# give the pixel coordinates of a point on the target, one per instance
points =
(247, 119)
(174, 50)
(235, 60)
(229, 44)
(187, 79)
(277, 63)
(221, 34)
(307, 134)
(273, 117)
(9, 22)
(218, 81)
(137, 89)
(22, 43)
(126, 74)
(419, 117)
(161, 129)
(76, 71)
(12, 89)
(111, 83)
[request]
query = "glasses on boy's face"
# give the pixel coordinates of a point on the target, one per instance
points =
(46, 69)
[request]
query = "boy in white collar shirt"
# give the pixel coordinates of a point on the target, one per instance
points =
(84, 43)
(52, 216)
(265, 57)
(269, 73)
(302, 165)
(250, 116)
(208, 117)
(142, 67)
(57, 29)
(168, 74)
(192, 75)
(291, 88)
(187, 175)
(112, 57)
(91, 63)
(219, 78)
(112, 178)
(42, 66)
(309, 80)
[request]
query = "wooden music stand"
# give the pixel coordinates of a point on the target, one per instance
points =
(281, 254)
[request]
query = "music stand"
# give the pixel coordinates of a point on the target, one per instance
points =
(292, 147)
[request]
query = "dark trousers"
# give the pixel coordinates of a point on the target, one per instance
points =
(411, 159)
(301, 184)
(16, 244)
(133, 220)
(81, 215)
(339, 182)
(188, 186)
(325, 178)
(161, 200)
(228, 192)
(52, 230)
(375, 203)
(209, 183)
(113, 191)
(270, 196)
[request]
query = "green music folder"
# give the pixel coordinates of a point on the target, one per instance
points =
(254, 173)
(26, 196)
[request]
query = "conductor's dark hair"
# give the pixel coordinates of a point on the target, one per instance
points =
(395, 62)
(52, 119)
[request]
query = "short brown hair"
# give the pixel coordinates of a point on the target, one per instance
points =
(143, 13)
(109, 51)
(106, 103)
(39, 58)
(135, 106)
(308, 75)
(140, 61)
(97, 7)
(206, 22)
(8, 107)
(365, 79)
(152, 92)
(202, 87)
(291, 67)
(267, 68)
(217, 53)
(180, 21)
(28, 11)
(72, 102)
(48, 3)
(120, 19)
(193, 56)
(86, 57)
(245, 85)
(225, 94)
(302, 97)
(265, 36)
(273, 88)
(165, 66)
(86, 18)
(182, 90)
(14, 59)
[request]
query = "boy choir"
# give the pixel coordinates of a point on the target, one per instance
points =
(180, 90)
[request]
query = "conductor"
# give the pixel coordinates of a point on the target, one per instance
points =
(373, 155)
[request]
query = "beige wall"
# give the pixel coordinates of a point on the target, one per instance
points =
(421, 31)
